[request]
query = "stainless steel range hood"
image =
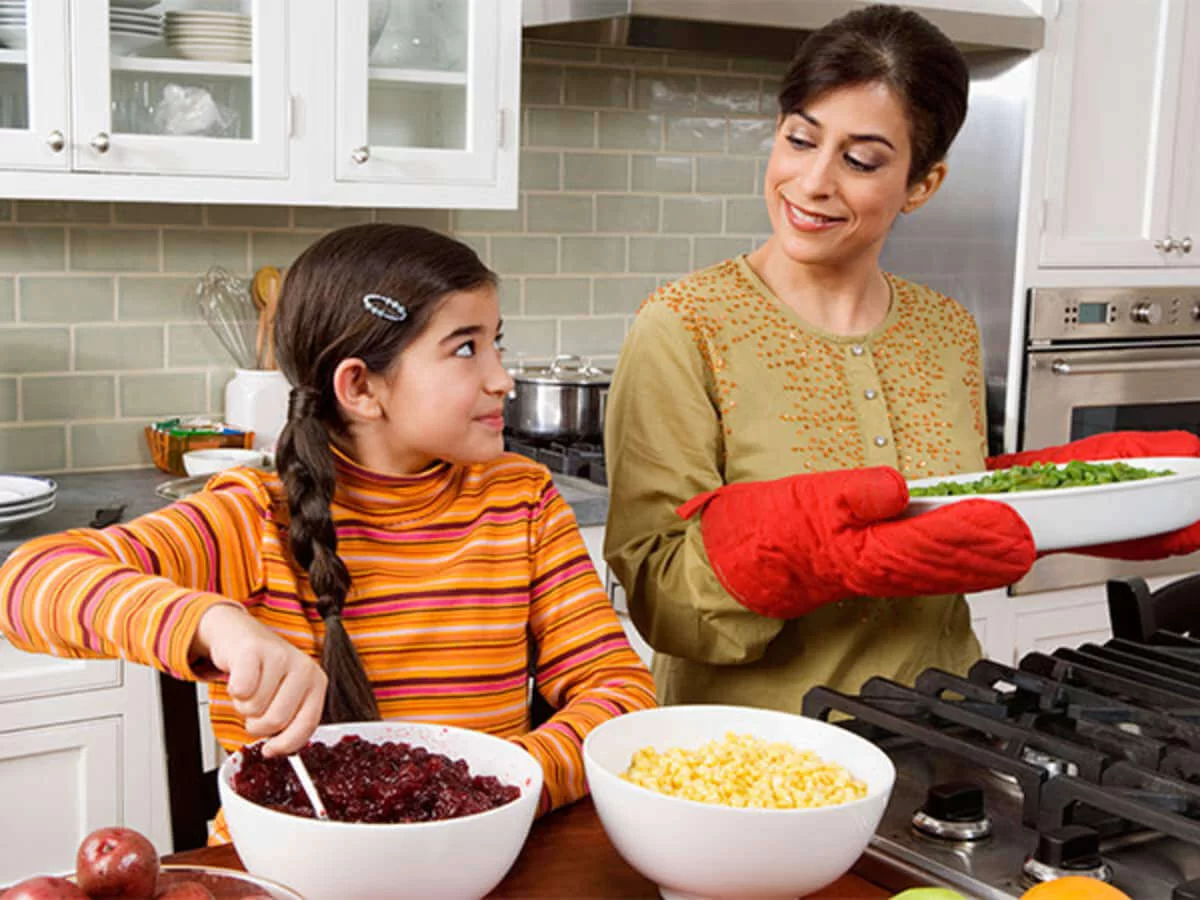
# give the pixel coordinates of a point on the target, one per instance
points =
(763, 28)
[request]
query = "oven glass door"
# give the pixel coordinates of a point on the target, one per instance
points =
(1074, 393)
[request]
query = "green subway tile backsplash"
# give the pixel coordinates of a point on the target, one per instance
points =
(55, 298)
(636, 166)
(67, 397)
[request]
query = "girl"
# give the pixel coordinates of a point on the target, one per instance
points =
(398, 544)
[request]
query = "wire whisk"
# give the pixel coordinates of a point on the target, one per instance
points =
(227, 306)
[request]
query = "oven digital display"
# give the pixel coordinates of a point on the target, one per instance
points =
(1093, 313)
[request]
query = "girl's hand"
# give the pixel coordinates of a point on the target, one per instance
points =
(277, 689)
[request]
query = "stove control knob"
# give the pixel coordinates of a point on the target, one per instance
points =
(1196, 311)
(1070, 847)
(1071, 850)
(954, 811)
(1147, 313)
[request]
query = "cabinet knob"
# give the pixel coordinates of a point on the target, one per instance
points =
(100, 143)
(1185, 245)
(1166, 245)
(360, 154)
(56, 141)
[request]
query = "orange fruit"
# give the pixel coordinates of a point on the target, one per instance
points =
(1074, 887)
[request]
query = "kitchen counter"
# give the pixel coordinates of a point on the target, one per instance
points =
(80, 494)
(569, 855)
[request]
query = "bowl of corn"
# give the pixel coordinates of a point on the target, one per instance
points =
(735, 802)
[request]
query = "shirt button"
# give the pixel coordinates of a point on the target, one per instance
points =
(880, 441)
(869, 393)
(857, 350)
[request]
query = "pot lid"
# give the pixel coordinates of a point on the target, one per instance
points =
(564, 370)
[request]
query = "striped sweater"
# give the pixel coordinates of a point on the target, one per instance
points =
(460, 577)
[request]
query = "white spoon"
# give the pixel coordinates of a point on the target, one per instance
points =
(310, 789)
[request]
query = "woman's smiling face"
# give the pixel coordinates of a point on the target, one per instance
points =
(838, 176)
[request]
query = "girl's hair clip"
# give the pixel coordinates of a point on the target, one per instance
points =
(385, 307)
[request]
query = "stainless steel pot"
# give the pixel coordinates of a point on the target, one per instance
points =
(564, 401)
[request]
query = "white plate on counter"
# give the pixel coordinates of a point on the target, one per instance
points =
(1073, 517)
(18, 490)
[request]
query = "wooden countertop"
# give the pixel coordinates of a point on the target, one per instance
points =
(567, 850)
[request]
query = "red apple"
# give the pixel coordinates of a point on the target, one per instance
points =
(186, 890)
(45, 887)
(117, 863)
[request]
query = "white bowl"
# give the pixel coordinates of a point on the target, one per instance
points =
(1063, 518)
(453, 858)
(698, 850)
(206, 462)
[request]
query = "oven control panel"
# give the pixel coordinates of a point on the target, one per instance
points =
(1099, 314)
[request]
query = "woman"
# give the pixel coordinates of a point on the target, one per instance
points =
(766, 411)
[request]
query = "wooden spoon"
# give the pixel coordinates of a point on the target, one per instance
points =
(271, 295)
(266, 283)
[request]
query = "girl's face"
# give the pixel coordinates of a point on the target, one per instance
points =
(837, 176)
(444, 397)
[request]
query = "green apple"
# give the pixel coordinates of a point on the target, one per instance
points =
(929, 893)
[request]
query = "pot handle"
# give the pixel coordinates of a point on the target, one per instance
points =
(561, 361)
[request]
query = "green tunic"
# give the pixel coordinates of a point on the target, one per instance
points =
(719, 382)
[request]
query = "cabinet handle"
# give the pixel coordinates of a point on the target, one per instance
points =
(1185, 245)
(56, 141)
(101, 143)
(360, 154)
(1166, 246)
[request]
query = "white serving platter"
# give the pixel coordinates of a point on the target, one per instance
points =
(21, 489)
(1075, 517)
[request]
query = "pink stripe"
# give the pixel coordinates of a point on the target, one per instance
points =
(443, 534)
(464, 690)
(415, 605)
(565, 575)
(579, 659)
(167, 625)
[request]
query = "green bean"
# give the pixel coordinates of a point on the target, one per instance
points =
(1040, 477)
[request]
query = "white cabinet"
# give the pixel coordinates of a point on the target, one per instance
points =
(78, 751)
(59, 783)
(354, 102)
(1122, 181)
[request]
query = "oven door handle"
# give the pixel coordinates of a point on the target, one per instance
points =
(1062, 367)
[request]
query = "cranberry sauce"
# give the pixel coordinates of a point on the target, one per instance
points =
(365, 782)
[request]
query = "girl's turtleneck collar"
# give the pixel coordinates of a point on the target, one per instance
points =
(395, 498)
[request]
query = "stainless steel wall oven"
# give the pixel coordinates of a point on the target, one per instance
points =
(1108, 359)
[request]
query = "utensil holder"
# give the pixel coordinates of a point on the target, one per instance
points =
(257, 400)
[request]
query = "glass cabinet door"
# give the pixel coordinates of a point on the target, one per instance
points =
(194, 87)
(34, 125)
(416, 90)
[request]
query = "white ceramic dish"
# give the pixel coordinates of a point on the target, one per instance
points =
(207, 462)
(13, 36)
(9, 520)
(1063, 518)
(455, 858)
(697, 850)
(14, 509)
(16, 489)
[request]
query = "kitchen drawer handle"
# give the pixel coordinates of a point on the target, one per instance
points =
(1185, 245)
(56, 141)
(1062, 367)
(1165, 245)
(101, 142)
(360, 154)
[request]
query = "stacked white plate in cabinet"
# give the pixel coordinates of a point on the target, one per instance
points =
(131, 30)
(210, 35)
(24, 497)
(12, 24)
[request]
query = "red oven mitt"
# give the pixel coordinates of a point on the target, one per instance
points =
(1122, 445)
(783, 548)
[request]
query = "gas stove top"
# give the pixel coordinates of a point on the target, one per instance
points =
(1083, 761)
(581, 459)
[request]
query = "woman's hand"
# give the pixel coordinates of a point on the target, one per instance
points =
(275, 687)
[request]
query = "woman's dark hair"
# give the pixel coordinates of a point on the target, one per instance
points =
(898, 48)
(321, 321)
